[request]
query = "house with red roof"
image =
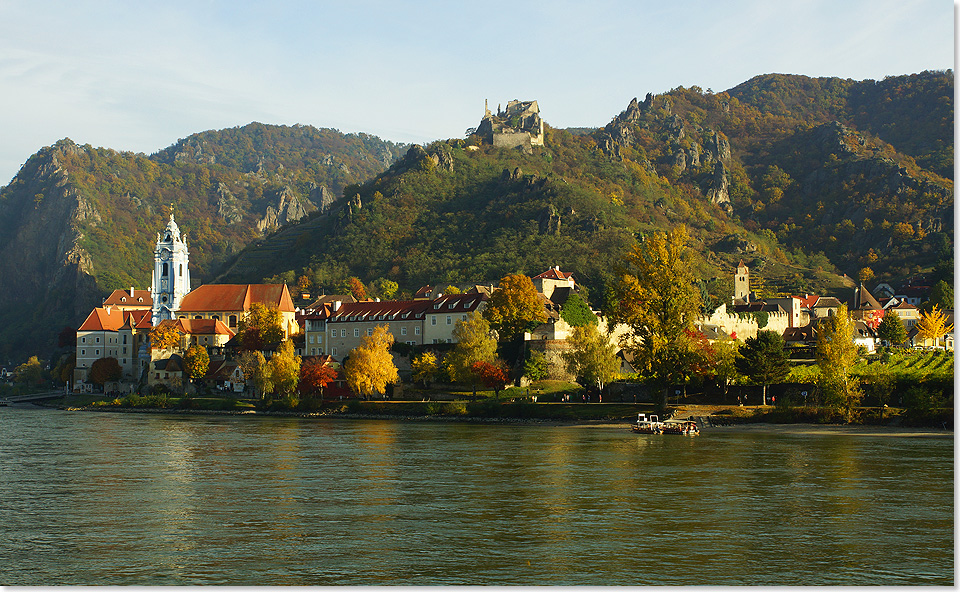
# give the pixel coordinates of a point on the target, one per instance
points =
(230, 304)
(109, 332)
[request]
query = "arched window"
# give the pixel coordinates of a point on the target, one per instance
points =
(181, 270)
(164, 272)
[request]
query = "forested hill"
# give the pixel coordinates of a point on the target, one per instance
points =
(790, 173)
(78, 222)
(805, 179)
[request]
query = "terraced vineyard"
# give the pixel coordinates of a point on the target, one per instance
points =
(917, 365)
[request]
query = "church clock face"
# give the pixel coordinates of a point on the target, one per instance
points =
(164, 255)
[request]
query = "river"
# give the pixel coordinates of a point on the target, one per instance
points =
(138, 499)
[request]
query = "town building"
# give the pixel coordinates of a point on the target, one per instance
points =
(109, 332)
(230, 304)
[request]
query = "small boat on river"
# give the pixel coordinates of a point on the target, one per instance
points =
(653, 425)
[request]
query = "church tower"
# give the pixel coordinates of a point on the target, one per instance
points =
(171, 273)
(741, 283)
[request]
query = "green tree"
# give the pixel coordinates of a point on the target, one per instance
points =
(474, 343)
(101, 371)
(370, 367)
(725, 363)
(386, 289)
(577, 313)
(941, 295)
(196, 361)
(261, 328)
(891, 328)
(514, 308)
(591, 358)
(656, 297)
(536, 367)
(836, 355)
(763, 359)
(256, 371)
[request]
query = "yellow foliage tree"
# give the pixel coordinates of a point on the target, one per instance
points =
(165, 336)
(424, 367)
(370, 367)
(934, 326)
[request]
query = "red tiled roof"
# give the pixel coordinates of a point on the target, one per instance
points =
(414, 309)
(199, 326)
(112, 319)
(124, 298)
(554, 273)
(236, 297)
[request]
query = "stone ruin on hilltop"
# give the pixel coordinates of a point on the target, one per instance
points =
(518, 126)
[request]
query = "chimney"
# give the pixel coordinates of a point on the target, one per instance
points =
(131, 291)
(336, 305)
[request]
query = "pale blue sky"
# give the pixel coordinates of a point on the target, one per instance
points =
(140, 75)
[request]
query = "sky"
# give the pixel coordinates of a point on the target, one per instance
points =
(138, 76)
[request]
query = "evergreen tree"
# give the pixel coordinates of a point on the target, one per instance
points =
(763, 359)
(891, 328)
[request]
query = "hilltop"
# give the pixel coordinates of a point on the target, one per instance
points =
(808, 180)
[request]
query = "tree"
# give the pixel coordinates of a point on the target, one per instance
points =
(836, 355)
(261, 328)
(891, 328)
(536, 367)
(492, 375)
(370, 367)
(515, 307)
(474, 343)
(576, 312)
(656, 296)
(763, 359)
(314, 377)
(165, 336)
(196, 361)
(356, 287)
(591, 358)
(256, 371)
(933, 326)
(101, 371)
(424, 367)
(303, 284)
(385, 288)
(725, 363)
(285, 369)
(941, 295)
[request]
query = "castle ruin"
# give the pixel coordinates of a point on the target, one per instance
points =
(518, 126)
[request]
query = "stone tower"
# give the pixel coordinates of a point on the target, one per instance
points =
(741, 283)
(171, 272)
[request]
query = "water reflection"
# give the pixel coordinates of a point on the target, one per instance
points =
(203, 500)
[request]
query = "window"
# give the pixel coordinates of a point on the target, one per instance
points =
(334, 352)
(464, 317)
(448, 319)
(98, 340)
(124, 339)
(83, 340)
(369, 332)
(83, 352)
(233, 320)
(403, 330)
(319, 339)
(433, 320)
(343, 332)
(98, 352)
(416, 330)
(181, 270)
(356, 332)
(311, 339)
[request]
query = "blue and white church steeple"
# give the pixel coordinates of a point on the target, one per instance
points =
(171, 273)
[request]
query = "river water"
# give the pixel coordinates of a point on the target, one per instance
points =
(124, 499)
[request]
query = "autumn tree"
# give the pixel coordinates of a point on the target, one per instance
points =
(370, 367)
(474, 343)
(256, 371)
(891, 328)
(284, 369)
(763, 359)
(591, 358)
(196, 361)
(303, 284)
(491, 375)
(356, 288)
(656, 297)
(314, 377)
(836, 355)
(424, 367)
(261, 327)
(165, 335)
(104, 370)
(385, 288)
(933, 326)
(536, 367)
(515, 307)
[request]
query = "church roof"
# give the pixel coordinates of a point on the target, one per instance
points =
(236, 298)
(199, 326)
(112, 319)
(864, 300)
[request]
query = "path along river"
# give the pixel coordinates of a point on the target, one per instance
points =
(105, 498)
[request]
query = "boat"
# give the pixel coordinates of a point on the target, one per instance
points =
(653, 425)
(4, 402)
